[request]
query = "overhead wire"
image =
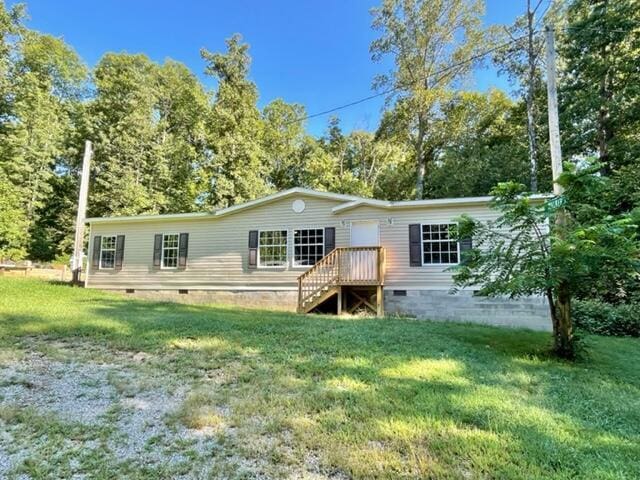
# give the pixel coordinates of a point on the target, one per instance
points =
(441, 71)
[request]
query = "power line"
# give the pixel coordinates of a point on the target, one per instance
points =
(442, 71)
(393, 89)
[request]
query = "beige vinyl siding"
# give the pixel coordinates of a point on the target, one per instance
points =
(218, 246)
(394, 236)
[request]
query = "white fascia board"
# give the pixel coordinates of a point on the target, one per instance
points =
(149, 218)
(438, 202)
(226, 211)
(285, 193)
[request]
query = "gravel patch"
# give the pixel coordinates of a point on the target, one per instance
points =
(100, 395)
(120, 413)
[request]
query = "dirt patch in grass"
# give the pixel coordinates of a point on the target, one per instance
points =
(114, 412)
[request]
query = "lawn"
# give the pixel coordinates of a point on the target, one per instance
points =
(99, 384)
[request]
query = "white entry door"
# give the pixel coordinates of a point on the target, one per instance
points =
(365, 234)
(363, 263)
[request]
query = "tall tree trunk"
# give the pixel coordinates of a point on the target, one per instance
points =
(531, 120)
(563, 329)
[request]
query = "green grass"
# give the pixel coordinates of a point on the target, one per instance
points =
(365, 397)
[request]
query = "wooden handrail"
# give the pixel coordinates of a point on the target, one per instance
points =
(342, 266)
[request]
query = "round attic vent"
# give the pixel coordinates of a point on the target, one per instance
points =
(298, 206)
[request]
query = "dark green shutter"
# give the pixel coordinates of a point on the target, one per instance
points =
(119, 252)
(157, 250)
(329, 240)
(415, 245)
(253, 248)
(466, 244)
(95, 259)
(183, 250)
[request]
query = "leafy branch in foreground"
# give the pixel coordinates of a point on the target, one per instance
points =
(518, 254)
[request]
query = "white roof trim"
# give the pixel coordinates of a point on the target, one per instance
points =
(149, 218)
(351, 201)
(421, 203)
(285, 193)
(229, 210)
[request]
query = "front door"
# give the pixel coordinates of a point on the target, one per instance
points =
(365, 234)
(363, 263)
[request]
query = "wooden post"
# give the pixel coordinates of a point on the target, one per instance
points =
(554, 123)
(300, 294)
(379, 301)
(78, 244)
(340, 300)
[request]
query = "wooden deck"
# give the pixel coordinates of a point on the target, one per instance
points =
(354, 274)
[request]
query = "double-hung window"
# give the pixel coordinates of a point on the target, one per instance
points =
(272, 248)
(308, 246)
(170, 244)
(108, 252)
(437, 246)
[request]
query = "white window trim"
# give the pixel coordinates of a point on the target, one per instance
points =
(293, 246)
(114, 249)
(422, 241)
(162, 266)
(286, 262)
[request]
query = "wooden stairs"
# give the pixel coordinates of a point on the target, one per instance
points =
(346, 272)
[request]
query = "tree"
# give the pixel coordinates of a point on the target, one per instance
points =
(431, 43)
(522, 60)
(47, 80)
(282, 140)
(236, 170)
(485, 145)
(518, 255)
(128, 174)
(13, 222)
(599, 94)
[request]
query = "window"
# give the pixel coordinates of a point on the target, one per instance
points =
(308, 246)
(437, 246)
(170, 243)
(108, 252)
(272, 248)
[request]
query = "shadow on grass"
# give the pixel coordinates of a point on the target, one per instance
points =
(399, 391)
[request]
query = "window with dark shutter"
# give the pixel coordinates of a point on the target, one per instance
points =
(253, 249)
(119, 252)
(95, 260)
(329, 240)
(183, 250)
(466, 244)
(157, 250)
(415, 245)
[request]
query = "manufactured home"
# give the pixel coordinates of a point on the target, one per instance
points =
(305, 250)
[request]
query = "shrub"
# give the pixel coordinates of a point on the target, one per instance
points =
(607, 319)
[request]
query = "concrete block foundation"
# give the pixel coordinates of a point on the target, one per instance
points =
(530, 312)
(285, 300)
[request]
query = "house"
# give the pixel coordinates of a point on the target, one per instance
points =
(304, 250)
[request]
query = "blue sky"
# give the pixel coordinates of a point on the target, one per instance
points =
(308, 51)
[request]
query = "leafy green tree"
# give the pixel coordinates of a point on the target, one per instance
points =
(430, 43)
(486, 145)
(600, 93)
(518, 255)
(281, 142)
(236, 169)
(13, 221)
(47, 80)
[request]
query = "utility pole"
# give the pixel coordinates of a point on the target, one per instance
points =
(78, 244)
(554, 122)
(561, 311)
(532, 56)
